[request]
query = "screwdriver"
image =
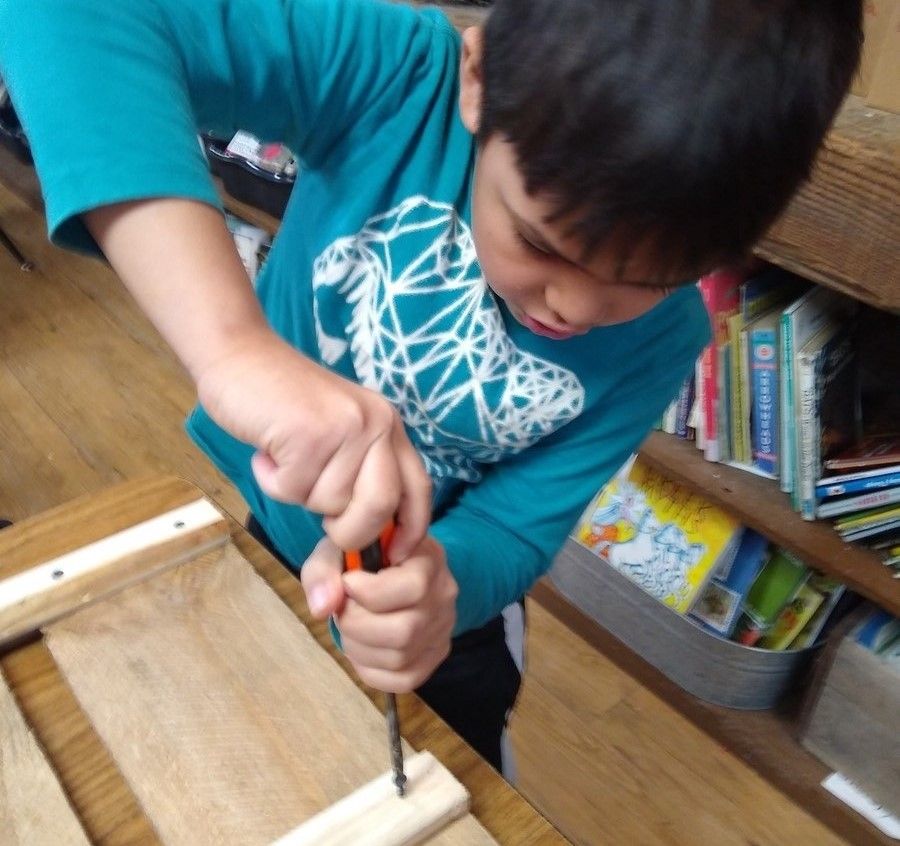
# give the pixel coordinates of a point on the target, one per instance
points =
(372, 559)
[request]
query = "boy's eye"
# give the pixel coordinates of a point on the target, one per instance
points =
(530, 245)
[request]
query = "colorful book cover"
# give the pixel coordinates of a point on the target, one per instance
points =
(833, 592)
(878, 631)
(775, 586)
(873, 451)
(762, 342)
(865, 480)
(665, 538)
(852, 504)
(721, 293)
(720, 604)
(799, 322)
(793, 617)
(828, 406)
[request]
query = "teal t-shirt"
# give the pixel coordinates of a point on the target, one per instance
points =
(374, 272)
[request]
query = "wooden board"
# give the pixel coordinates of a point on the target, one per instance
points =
(227, 720)
(375, 815)
(33, 808)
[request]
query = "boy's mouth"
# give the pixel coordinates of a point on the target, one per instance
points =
(547, 331)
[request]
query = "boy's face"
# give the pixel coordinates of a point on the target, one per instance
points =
(532, 265)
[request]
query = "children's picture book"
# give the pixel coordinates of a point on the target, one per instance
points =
(776, 585)
(876, 479)
(860, 502)
(662, 536)
(828, 406)
(720, 604)
(813, 628)
(798, 612)
(873, 451)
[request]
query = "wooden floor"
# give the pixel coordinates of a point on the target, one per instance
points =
(90, 395)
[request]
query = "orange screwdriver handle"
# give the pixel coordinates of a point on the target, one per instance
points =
(373, 557)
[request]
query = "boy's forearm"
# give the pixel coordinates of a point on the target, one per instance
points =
(178, 260)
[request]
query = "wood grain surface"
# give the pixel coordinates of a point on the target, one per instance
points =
(226, 719)
(375, 815)
(33, 808)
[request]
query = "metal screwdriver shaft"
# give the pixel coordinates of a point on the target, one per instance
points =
(393, 723)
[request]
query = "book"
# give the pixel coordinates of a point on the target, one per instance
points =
(721, 292)
(827, 406)
(740, 414)
(776, 585)
(873, 531)
(813, 628)
(684, 404)
(762, 362)
(720, 604)
(849, 504)
(769, 289)
(665, 538)
(865, 480)
(878, 631)
(873, 451)
(793, 617)
(800, 320)
(869, 517)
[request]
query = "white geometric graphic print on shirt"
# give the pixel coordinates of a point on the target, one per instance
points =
(405, 299)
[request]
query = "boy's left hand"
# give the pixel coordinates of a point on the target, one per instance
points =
(395, 625)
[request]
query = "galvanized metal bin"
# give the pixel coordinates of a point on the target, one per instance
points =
(717, 670)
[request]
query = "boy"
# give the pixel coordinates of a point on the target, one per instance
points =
(473, 312)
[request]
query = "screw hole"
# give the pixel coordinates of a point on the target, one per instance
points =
(57, 574)
(179, 524)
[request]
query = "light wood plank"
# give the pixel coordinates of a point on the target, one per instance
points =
(33, 808)
(374, 815)
(36, 596)
(246, 727)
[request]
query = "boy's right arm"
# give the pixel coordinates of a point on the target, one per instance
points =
(323, 441)
(111, 96)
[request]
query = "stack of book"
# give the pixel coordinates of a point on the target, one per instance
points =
(777, 392)
(860, 491)
(697, 559)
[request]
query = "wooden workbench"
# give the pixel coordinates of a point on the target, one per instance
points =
(99, 795)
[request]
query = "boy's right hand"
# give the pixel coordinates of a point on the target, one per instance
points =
(324, 442)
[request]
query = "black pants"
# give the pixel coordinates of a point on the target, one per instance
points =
(475, 687)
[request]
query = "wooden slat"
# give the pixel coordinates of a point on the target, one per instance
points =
(33, 808)
(763, 739)
(758, 503)
(843, 227)
(374, 815)
(34, 596)
(247, 728)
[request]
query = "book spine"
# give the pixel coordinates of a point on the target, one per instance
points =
(723, 405)
(738, 452)
(746, 391)
(764, 417)
(858, 503)
(684, 403)
(786, 405)
(708, 364)
(808, 435)
(824, 488)
(699, 407)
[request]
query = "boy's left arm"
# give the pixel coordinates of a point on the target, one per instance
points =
(503, 533)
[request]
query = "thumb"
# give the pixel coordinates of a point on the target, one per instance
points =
(321, 579)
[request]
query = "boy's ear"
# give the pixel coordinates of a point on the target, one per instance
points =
(470, 81)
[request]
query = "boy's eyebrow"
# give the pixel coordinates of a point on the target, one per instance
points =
(532, 234)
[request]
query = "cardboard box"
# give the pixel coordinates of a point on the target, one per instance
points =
(876, 20)
(884, 86)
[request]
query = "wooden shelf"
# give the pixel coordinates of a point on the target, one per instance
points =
(842, 229)
(759, 503)
(765, 740)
